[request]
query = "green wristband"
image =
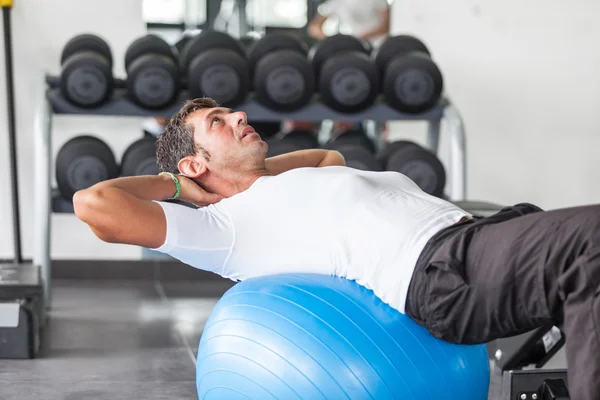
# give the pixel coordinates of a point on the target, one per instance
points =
(177, 185)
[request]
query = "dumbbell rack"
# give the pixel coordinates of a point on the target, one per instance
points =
(52, 102)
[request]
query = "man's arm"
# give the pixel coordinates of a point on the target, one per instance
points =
(304, 158)
(383, 28)
(315, 27)
(123, 210)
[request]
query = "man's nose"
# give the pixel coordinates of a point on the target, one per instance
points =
(239, 118)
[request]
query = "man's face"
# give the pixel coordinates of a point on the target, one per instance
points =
(227, 137)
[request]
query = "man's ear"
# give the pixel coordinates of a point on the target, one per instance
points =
(191, 167)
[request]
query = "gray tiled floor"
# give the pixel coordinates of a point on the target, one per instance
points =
(115, 340)
(120, 340)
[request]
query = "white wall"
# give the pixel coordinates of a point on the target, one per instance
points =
(525, 76)
(40, 29)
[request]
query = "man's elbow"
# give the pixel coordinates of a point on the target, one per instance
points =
(88, 205)
(332, 158)
(338, 158)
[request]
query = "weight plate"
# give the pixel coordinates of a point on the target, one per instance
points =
(265, 129)
(82, 162)
(325, 49)
(412, 83)
(221, 75)
(284, 81)
(302, 139)
(207, 40)
(292, 141)
(422, 167)
(271, 43)
(393, 147)
(395, 46)
(140, 158)
(414, 87)
(358, 157)
(354, 137)
(148, 44)
(348, 82)
(85, 171)
(183, 40)
(86, 42)
(277, 147)
(152, 81)
(248, 42)
(86, 79)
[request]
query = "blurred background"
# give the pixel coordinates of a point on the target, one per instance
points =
(522, 75)
(519, 76)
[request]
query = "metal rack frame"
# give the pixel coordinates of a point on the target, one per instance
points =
(50, 102)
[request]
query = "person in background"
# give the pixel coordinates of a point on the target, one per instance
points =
(365, 19)
(368, 20)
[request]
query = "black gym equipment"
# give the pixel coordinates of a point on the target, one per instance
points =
(21, 292)
(140, 158)
(82, 162)
(544, 384)
(288, 142)
(216, 66)
(357, 156)
(248, 42)
(347, 79)
(266, 129)
(410, 80)
(357, 148)
(419, 164)
(356, 137)
(534, 348)
(86, 78)
(282, 77)
(152, 72)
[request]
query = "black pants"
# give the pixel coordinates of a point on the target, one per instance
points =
(512, 272)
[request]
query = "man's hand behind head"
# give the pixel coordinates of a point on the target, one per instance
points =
(193, 193)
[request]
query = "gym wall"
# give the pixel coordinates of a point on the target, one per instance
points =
(40, 30)
(522, 75)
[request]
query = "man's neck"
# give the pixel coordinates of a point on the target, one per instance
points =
(230, 185)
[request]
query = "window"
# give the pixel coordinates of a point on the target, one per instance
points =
(279, 13)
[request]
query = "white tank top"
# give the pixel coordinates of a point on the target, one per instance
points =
(365, 226)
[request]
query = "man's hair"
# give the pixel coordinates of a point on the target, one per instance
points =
(177, 140)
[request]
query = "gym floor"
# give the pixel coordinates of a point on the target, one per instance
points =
(120, 340)
(116, 340)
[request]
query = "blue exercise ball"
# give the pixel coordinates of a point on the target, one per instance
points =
(304, 336)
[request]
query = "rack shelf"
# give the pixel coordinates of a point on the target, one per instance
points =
(51, 102)
(119, 104)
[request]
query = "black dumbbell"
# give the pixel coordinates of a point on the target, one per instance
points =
(356, 156)
(266, 129)
(215, 65)
(281, 75)
(347, 79)
(86, 78)
(82, 162)
(420, 165)
(152, 72)
(357, 148)
(410, 80)
(140, 158)
(248, 42)
(354, 136)
(283, 143)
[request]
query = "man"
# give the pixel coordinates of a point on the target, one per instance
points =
(466, 279)
(365, 19)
